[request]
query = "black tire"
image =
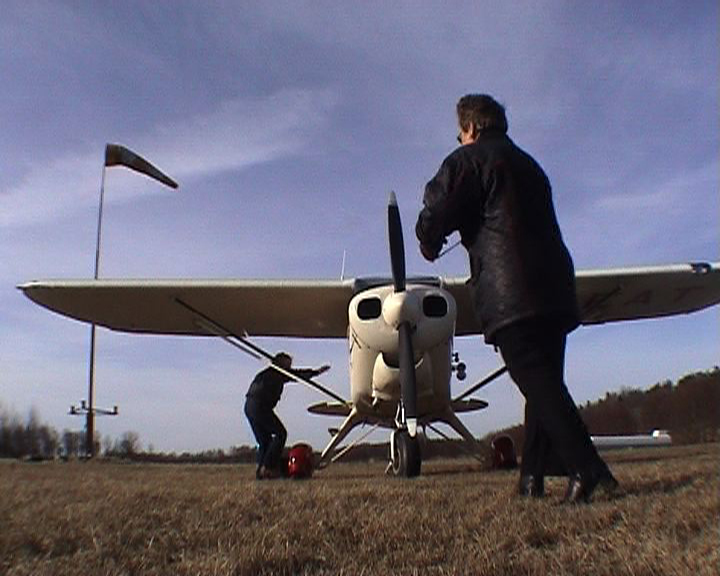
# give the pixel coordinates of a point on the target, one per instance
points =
(406, 460)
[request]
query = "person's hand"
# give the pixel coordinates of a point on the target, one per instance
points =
(430, 254)
(324, 368)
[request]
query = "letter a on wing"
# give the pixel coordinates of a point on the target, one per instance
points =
(116, 155)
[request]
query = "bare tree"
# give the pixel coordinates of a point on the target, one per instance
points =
(72, 443)
(128, 445)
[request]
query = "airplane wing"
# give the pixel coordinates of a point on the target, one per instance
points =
(634, 293)
(319, 308)
(302, 308)
(623, 293)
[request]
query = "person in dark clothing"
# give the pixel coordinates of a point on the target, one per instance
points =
(260, 401)
(522, 283)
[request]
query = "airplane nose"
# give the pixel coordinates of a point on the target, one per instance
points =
(401, 307)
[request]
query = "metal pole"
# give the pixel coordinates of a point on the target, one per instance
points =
(90, 416)
(99, 226)
(90, 421)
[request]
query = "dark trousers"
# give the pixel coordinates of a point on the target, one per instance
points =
(534, 352)
(269, 432)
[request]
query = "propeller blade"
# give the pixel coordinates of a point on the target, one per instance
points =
(397, 248)
(406, 356)
(408, 387)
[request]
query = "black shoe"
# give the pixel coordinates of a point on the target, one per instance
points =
(530, 485)
(580, 489)
(577, 490)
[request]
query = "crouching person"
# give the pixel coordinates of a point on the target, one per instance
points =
(260, 401)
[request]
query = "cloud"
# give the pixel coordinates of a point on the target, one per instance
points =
(237, 134)
(243, 132)
(669, 195)
(650, 218)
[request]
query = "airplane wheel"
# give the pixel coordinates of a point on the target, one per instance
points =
(406, 459)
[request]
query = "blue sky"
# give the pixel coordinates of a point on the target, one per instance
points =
(286, 125)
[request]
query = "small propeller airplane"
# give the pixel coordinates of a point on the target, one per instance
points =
(399, 330)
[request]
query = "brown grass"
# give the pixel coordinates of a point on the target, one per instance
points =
(112, 518)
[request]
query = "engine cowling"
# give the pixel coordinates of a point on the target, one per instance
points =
(374, 316)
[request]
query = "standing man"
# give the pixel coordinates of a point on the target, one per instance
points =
(522, 283)
(260, 401)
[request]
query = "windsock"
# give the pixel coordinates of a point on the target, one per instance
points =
(116, 155)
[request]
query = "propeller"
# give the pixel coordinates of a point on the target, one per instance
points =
(406, 356)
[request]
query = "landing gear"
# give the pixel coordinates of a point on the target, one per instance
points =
(405, 458)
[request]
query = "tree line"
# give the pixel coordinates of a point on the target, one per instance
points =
(36, 440)
(688, 409)
(32, 439)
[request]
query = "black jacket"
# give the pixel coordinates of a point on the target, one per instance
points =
(499, 199)
(267, 386)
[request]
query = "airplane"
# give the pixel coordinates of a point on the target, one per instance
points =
(655, 439)
(399, 330)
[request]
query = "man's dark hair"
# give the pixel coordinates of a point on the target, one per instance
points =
(481, 111)
(281, 356)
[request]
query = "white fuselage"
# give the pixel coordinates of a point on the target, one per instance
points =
(373, 341)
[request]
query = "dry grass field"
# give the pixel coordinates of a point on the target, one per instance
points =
(114, 518)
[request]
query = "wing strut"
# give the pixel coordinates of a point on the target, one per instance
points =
(352, 445)
(465, 448)
(485, 381)
(253, 349)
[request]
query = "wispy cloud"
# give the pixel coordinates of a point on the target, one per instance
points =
(239, 133)
(675, 193)
(651, 218)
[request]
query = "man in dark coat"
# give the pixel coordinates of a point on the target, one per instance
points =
(522, 283)
(260, 401)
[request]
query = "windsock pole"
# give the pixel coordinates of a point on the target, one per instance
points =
(90, 417)
(115, 155)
